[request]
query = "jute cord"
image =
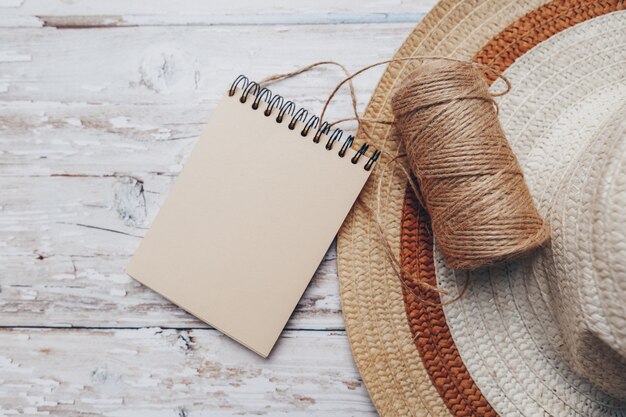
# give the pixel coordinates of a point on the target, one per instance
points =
(469, 179)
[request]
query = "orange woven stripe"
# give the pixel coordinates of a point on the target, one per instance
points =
(539, 25)
(427, 323)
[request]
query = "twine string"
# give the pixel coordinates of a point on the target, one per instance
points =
(277, 77)
(426, 123)
(471, 182)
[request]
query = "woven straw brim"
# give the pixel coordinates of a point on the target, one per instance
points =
(410, 366)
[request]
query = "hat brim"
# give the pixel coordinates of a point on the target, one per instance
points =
(415, 358)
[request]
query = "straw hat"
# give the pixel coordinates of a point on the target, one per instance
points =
(542, 336)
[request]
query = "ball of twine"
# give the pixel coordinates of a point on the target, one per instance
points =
(469, 179)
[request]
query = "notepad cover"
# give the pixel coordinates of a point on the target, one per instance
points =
(247, 223)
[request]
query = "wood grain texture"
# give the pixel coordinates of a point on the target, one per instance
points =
(115, 13)
(100, 105)
(156, 372)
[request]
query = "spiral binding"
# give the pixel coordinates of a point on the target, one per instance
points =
(311, 122)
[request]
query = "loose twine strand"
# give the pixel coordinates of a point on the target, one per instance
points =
(447, 120)
(399, 270)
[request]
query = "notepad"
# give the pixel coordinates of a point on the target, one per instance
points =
(251, 215)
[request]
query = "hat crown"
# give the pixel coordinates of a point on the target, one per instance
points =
(582, 271)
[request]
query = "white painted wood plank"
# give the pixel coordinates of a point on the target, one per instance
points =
(159, 372)
(175, 65)
(114, 13)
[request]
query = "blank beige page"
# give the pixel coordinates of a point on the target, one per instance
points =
(247, 222)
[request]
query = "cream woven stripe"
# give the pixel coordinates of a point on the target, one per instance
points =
(572, 84)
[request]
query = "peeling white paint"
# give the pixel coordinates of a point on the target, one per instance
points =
(162, 133)
(14, 56)
(11, 3)
(145, 372)
(130, 202)
(166, 69)
(123, 122)
(93, 88)
(116, 292)
(73, 121)
(28, 294)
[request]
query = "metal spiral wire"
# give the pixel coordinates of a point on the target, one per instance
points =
(289, 109)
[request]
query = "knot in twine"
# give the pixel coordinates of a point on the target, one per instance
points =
(470, 181)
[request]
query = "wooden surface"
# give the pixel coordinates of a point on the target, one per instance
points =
(100, 104)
